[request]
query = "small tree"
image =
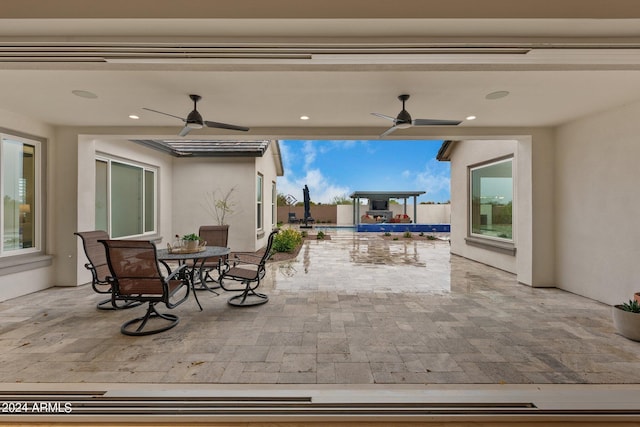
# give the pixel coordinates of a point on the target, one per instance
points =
(220, 205)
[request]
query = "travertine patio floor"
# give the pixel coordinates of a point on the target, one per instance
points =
(355, 309)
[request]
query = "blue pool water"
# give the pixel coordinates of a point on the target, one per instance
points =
(390, 227)
(401, 228)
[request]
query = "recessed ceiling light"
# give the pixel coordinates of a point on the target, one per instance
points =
(133, 116)
(497, 94)
(470, 118)
(304, 117)
(84, 94)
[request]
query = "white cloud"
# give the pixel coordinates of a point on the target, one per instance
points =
(309, 151)
(320, 189)
(435, 180)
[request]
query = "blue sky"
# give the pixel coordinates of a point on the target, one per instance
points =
(338, 168)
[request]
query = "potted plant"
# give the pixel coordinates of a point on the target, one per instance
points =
(191, 241)
(626, 319)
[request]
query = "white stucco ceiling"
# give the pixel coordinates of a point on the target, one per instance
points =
(343, 69)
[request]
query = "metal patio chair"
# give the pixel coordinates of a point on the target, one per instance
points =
(215, 235)
(136, 276)
(248, 274)
(99, 269)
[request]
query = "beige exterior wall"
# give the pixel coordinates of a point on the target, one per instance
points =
(427, 214)
(33, 279)
(597, 205)
(117, 147)
(198, 176)
(465, 154)
(195, 177)
(70, 195)
(533, 228)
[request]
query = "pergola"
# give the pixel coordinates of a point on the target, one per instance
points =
(384, 195)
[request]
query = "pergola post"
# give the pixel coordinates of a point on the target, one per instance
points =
(382, 195)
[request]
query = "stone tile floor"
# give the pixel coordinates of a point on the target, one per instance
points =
(356, 309)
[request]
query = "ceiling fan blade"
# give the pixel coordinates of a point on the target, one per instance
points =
(388, 131)
(185, 130)
(384, 116)
(225, 126)
(434, 122)
(166, 114)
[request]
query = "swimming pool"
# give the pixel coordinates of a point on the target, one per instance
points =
(390, 227)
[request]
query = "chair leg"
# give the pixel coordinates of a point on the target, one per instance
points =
(108, 304)
(203, 279)
(248, 297)
(152, 313)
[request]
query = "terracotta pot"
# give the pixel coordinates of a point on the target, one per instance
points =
(627, 323)
(636, 297)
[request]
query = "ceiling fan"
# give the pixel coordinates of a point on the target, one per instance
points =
(194, 119)
(404, 120)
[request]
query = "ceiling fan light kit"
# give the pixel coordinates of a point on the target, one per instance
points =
(403, 120)
(194, 119)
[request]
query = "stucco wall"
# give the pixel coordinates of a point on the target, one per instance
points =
(597, 205)
(427, 214)
(16, 284)
(533, 208)
(119, 148)
(468, 153)
(195, 177)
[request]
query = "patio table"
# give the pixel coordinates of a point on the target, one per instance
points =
(197, 261)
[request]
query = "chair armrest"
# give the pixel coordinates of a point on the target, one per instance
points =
(243, 257)
(175, 272)
(242, 262)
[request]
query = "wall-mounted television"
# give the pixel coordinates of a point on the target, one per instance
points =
(379, 205)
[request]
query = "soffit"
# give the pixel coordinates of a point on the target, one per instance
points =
(379, 195)
(265, 66)
(206, 148)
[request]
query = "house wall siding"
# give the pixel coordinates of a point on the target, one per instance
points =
(597, 205)
(25, 282)
(466, 153)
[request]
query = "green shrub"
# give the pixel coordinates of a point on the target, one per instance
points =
(431, 237)
(304, 234)
(407, 234)
(287, 240)
(386, 233)
(320, 235)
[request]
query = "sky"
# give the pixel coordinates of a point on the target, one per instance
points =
(338, 168)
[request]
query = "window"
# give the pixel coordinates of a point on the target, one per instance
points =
(21, 215)
(492, 200)
(274, 198)
(259, 202)
(126, 199)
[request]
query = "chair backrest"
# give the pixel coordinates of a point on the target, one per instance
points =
(292, 215)
(134, 267)
(96, 254)
(215, 235)
(267, 249)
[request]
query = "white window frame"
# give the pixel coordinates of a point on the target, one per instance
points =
(37, 213)
(476, 167)
(260, 202)
(145, 168)
(274, 198)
